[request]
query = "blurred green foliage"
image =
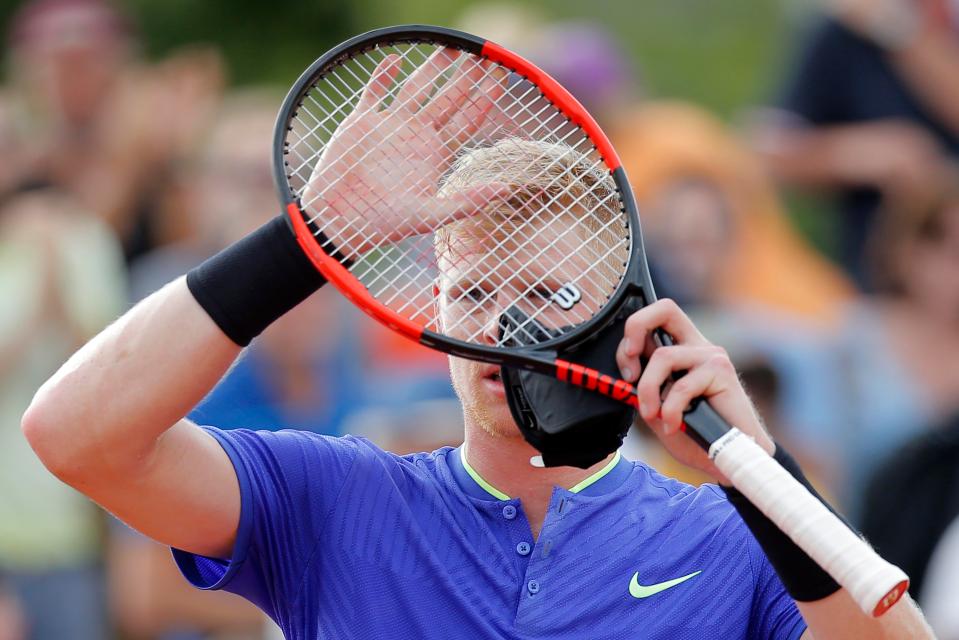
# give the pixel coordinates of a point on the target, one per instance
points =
(720, 54)
(726, 55)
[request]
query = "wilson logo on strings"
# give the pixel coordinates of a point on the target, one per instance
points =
(566, 296)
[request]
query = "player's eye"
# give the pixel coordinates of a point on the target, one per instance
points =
(477, 294)
(474, 294)
(542, 292)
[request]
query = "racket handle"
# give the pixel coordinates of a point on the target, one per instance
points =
(872, 582)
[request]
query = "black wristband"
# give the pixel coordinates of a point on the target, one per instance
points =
(248, 285)
(803, 578)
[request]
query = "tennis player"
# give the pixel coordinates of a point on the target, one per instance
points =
(335, 538)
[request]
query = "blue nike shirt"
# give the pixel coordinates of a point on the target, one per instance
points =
(339, 539)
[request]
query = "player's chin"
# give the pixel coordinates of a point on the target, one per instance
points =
(500, 420)
(488, 401)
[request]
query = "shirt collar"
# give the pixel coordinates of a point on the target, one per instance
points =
(603, 481)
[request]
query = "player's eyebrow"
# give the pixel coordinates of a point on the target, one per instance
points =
(531, 283)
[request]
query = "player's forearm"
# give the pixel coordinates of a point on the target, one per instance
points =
(838, 617)
(110, 402)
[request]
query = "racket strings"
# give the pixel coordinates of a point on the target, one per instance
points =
(587, 251)
(356, 232)
(423, 254)
(476, 85)
(309, 160)
(551, 210)
(361, 159)
(316, 152)
(351, 100)
(364, 275)
(586, 245)
(530, 257)
(400, 291)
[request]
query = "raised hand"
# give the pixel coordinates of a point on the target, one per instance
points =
(377, 180)
(707, 372)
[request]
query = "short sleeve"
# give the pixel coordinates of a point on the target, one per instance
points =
(289, 480)
(774, 612)
(816, 84)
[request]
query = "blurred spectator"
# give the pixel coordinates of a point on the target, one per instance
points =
(397, 372)
(507, 24)
(10, 171)
(870, 112)
(11, 615)
(302, 372)
(150, 599)
(94, 121)
(715, 231)
(420, 426)
(226, 189)
(911, 502)
(942, 584)
(898, 353)
(582, 55)
(719, 242)
(283, 380)
(60, 273)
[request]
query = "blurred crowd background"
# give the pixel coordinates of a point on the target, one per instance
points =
(796, 168)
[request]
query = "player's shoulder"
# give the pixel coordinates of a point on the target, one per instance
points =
(677, 500)
(347, 456)
(367, 454)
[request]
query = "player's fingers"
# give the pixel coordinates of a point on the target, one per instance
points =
(662, 364)
(470, 116)
(663, 314)
(466, 78)
(418, 86)
(460, 204)
(627, 358)
(703, 380)
(380, 82)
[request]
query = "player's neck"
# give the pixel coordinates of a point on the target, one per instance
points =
(504, 462)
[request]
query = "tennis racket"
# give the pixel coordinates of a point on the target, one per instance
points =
(439, 181)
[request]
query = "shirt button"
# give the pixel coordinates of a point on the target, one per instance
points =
(533, 587)
(509, 512)
(523, 548)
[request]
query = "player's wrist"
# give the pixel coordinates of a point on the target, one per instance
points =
(252, 283)
(803, 579)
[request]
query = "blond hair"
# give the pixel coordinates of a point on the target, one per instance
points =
(540, 174)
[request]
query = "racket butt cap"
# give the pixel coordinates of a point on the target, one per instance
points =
(891, 598)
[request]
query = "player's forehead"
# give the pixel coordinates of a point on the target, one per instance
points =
(527, 249)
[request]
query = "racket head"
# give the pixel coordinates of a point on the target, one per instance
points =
(594, 236)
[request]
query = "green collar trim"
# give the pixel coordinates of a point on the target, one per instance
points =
(598, 475)
(499, 495)
(487, 487)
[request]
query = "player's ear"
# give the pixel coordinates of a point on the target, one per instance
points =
(436, 305)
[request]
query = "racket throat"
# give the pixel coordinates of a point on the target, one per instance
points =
(573, 421)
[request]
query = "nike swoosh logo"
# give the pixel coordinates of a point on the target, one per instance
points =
(641, 591)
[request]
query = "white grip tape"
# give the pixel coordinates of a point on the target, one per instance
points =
(873, 583)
